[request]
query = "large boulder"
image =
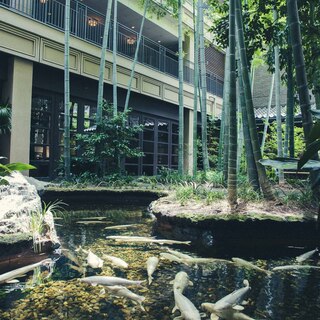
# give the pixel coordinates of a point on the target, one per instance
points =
(19, 201)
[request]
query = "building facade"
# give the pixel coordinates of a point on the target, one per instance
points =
(32, 79)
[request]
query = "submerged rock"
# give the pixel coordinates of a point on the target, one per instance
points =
(19, 200)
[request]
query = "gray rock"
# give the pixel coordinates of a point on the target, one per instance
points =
(40, 185)
(18, 201)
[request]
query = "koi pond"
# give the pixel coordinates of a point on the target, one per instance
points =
(57, 293)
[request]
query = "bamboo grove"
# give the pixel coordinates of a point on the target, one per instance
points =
(246, 30)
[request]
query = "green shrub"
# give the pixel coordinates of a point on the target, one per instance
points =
(112, 141)
(213, 196)
(184, 194)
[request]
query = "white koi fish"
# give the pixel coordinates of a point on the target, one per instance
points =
(181, 281)
(146, 240)
(152, 264)
(234, 298)
(227, 314)
(294, 267)
(11, 275)
(186, 307)
(179, 254)
(246, 264)
(121, 291)
(170, 257)
(123, 226)
(94, 261)
(110, 281)
(117, 262)
(306, 256)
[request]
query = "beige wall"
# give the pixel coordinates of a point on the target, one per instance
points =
(20, 92)
(43, 44)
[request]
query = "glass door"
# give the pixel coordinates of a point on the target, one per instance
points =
(41, 135)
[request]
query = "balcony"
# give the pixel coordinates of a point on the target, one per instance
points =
(87, 24)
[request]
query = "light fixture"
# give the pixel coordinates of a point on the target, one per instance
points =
(132, 27)
(92, 22)
(131, 40)
(43, 1)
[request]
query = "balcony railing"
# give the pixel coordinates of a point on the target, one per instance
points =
(87, 24)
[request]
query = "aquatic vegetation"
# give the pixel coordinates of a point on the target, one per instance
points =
(60, 300)
(38, 224)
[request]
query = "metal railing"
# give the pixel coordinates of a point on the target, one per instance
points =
(87, 24)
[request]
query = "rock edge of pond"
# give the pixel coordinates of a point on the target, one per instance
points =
(261, 224)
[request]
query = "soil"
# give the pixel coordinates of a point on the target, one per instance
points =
(220, 209)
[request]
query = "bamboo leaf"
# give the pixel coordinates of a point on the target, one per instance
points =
(18, 166)
(311, 150)
(316, 113)
(314, 133)
(4, 170)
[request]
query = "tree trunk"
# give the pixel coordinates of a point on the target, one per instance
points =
(226, 93)
(289, 145)
(232, 162)
(114, 57)
(278, 106)
(195, 92)
(301, 78)
(181, 107)
(66, 150)
(204, 133)
(263, 180)
(135, 59)
(251, 165)
(103, 62)
(316, 57)
(266, 123)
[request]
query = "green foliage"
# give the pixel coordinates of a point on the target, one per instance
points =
(301, 196)
(88, 179)
(170, 176)
(184, 194)
(5, 118)
(112, 141)
(212, 142)
(199, 192)
(313, 147)
(263, 33)
(160, 9)
(246, 191)
(7, 169)
(38, 224)
(271, 141)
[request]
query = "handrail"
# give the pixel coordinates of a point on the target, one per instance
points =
(86, 24)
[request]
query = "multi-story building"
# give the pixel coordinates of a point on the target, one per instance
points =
(32, 79)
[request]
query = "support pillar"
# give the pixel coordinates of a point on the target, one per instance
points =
(188, 140)
(19, 89)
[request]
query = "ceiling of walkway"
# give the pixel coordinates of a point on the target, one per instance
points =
(130, 18)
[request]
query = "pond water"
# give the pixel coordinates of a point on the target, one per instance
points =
(283, 295)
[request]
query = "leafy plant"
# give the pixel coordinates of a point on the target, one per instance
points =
(7, 169)
(5, 118)
(271, 141)
(247, 193)
(313, 143)
(198, 191)
(184, 194)
(112, 141)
